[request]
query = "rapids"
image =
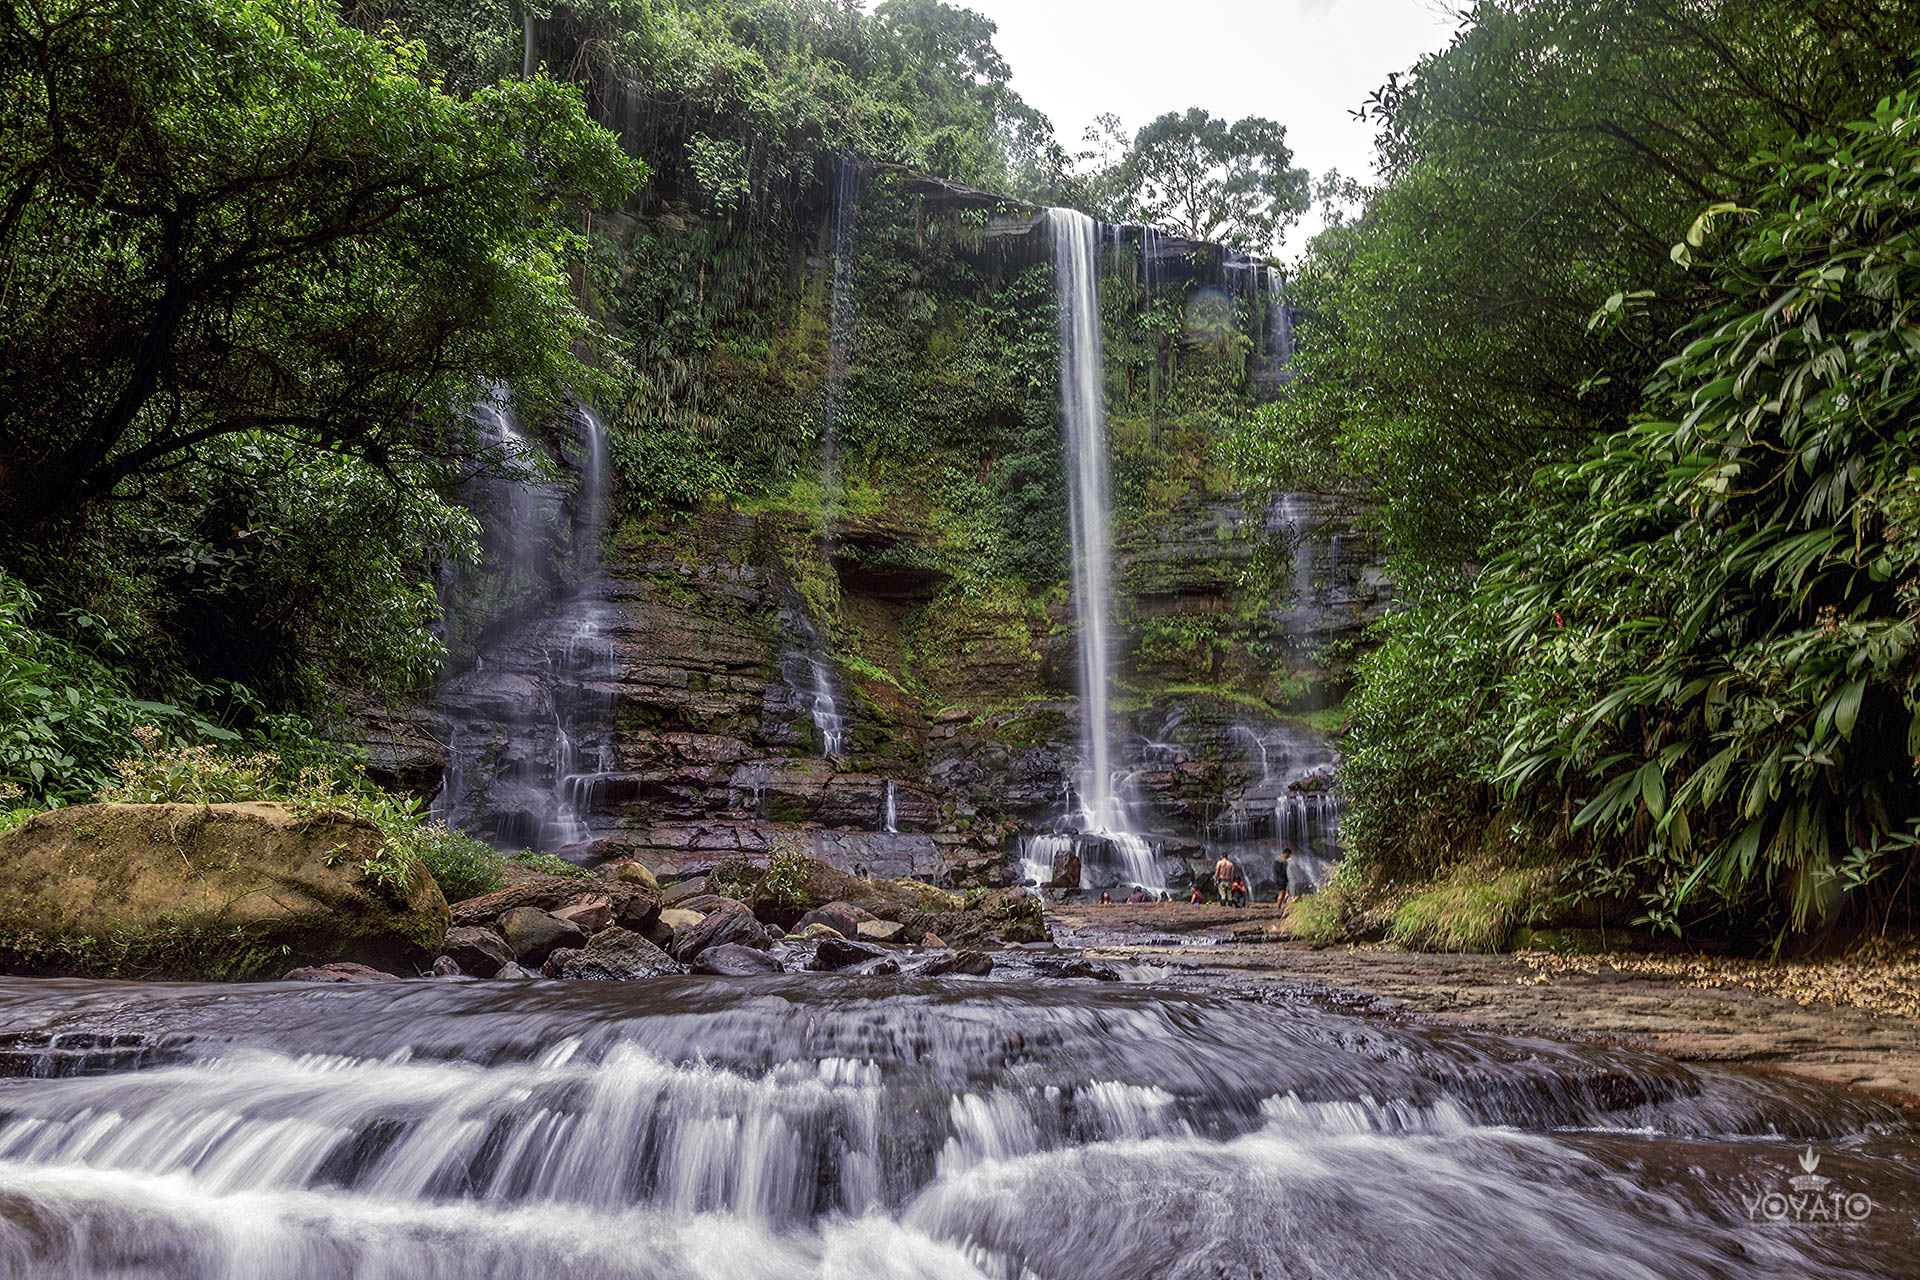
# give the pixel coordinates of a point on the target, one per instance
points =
(886, 1127)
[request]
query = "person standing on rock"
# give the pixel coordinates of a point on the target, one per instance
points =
(1223, 877)
(1286, 875)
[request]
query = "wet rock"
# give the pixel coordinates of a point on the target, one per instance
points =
(732, 960)
(678, 918)
(836, 916)
(728, 922)
(513, 971)
(447, 967)
(817, 931)
(589, 916)
(838, 953)
(1078, 968)
(339, 971)
(478, 951)
(535, 934)
(703, 902)
(881, 930)
(934, 941)
(559, 960)
(973, 963)
(618, 955)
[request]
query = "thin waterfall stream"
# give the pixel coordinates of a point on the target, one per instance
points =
(1076, 246)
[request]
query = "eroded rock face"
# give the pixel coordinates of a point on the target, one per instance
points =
(476, 950)
(617, 955)
(188, 891)
(728, 922)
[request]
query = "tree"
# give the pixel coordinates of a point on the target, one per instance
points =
(1195, 174)
(1545, 160)
(222, 218)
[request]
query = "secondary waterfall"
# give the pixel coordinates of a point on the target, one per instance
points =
(530, 724)
(1076, 245)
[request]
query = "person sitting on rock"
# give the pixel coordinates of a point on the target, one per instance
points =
(1196, 899)
(1106, 899)
(1135, 898)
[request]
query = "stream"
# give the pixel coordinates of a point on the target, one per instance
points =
(888, 1127)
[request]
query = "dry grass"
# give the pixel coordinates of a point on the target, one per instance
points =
(1882, 976)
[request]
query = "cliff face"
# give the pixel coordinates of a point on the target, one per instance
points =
(689, 716)
(891, 685)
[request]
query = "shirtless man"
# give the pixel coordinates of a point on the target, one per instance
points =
(1223, 877)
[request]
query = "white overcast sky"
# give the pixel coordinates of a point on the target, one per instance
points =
(1303, 63)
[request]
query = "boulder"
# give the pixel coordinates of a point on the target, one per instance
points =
(559, 960)
(678, 918)
(209, 891)
(934, 941)
(880, 930)
(447, 967)
(477, 951)
(513, 971)
(972, 963)
(732, 960)
(618, 955)
(842, 922)
(535, 934)
(631, 902)
(728, 922)
(837, 953)
(340, 971)
(816, 931)
(676, 894)
(634, 873)
(590, 915)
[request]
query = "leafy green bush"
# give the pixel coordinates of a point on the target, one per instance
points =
(1474, 909)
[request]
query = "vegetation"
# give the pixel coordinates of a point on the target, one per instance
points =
(1630, 372)
(462, 866)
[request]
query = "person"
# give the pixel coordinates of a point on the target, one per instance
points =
(1239, 892)
(1223, 879)
(1286, 875)
(1195, 900)
(1106, 899)
(1135, 898)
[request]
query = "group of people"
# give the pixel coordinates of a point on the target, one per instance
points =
(1229, 883)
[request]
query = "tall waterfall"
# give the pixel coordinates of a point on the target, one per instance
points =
(1076, 244)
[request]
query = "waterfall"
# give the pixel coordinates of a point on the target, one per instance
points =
(840, 318)
(531, 773)
(1076, 242)
(891, 815)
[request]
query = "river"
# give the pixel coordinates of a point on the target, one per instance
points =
(887, 1127)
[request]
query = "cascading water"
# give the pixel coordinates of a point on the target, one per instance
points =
(1076, 244)
(890, 811)
(530, 725)
(892, 1128)
(823, 703)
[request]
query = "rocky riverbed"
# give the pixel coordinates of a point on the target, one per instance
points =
(1693, 1009)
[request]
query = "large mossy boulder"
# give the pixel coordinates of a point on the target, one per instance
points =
(225, 891)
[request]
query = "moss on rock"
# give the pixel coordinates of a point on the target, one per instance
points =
(227, 891)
